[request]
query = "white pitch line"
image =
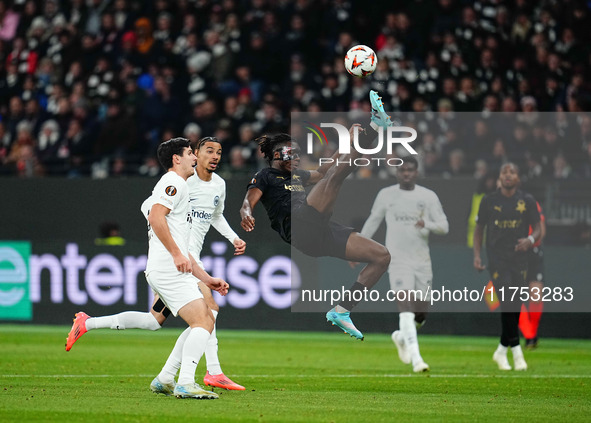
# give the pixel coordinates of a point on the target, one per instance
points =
(72, 376)
(440, 376)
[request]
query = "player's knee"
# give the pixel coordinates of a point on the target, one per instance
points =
(382, 257)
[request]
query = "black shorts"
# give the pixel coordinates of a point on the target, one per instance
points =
(509, 274)
(535, 264)
(316, 235)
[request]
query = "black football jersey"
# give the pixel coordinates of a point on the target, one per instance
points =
(281, 192)
(507, 219)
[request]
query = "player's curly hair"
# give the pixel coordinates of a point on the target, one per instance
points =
(269, 144)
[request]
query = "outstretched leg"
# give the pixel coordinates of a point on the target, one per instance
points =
(359, 248)
(152, 320)
(324, 194)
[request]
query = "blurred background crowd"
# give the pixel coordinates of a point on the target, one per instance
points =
(91, 87)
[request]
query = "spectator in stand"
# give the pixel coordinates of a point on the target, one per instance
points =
(192, 132)
(48, 143)
(22, 153)
(117, 135)
(78, 145)
(160, 109)
(8, 22)
(562, 169)
(222, 60)
(456, 165)
(144, 41)
(4, 146)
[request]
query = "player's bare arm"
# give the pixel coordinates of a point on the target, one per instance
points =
(157, 219)
(478, 237)
(251, 199)
(524, 244)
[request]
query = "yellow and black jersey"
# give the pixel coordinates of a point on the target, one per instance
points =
(281, 192)
(507, 219)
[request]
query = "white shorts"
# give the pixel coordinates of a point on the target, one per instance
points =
(405, 278)
(175, 289)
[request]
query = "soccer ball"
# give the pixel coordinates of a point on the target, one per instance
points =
(361, 61)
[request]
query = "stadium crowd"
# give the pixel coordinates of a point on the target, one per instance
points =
(91, 87)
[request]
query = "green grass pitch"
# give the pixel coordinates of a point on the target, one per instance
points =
(300, 377)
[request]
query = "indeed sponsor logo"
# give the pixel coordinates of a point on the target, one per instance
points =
(403, 217)
(196, 214)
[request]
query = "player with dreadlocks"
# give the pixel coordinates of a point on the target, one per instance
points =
(280, 188)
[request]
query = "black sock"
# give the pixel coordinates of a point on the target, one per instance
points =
(353, 297)
(510, 329)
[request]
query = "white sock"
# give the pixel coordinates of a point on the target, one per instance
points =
(193, 349)
(211, 351)
(516, 351)
(502, 349)
(125, 320)
(173, 362)
(340, 309)
(409, 333)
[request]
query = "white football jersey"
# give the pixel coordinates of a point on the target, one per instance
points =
(206, 199)
(402, 209)
(172, 192)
